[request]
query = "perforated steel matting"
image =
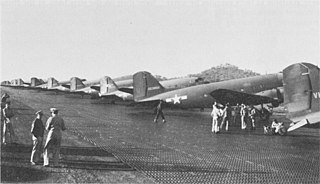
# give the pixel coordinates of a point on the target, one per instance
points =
(183, 150)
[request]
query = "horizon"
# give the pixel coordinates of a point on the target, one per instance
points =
(91, 39)
(86, 79)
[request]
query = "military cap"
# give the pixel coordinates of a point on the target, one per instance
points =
(53, 109)
(39, 112)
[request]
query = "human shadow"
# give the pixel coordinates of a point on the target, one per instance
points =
(89, 158)
(17, 174)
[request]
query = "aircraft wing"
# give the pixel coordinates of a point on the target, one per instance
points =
(111, 98)
(235, 97)
(126, 90)
(97, 88)
(66, 85)
(76, 92)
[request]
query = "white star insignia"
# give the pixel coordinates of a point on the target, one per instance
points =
(176, 99)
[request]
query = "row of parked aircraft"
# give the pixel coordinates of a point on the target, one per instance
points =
(297, 86)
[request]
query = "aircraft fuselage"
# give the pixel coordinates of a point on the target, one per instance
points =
(199, 96)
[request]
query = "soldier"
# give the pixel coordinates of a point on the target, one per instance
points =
(226, 116)
(7, 125)
(236, 115)
(159, 112)
(37, 131)
(215, 116)
(275, 126)
(244, 114)
(55, 125)
(252, 116)
(4, 99)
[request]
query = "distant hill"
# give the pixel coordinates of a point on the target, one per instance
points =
(224, 72)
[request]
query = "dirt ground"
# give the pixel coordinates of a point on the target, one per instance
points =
(81, 161)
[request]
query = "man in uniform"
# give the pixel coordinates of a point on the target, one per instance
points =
(252, 116)
(236, 115)
(226, 116)
(159, 112)
(7, 125)
(4, 99)
(275, 126)
(244, 114)
(215, 116)
(37, 131)
(55, 125)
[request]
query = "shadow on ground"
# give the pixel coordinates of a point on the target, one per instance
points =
(22, 174)
(87, 158)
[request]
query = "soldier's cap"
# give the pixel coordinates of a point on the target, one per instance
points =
(39, 112)
(53, 109)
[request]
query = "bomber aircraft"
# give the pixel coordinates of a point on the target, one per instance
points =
(5, 83)
(34, 83)
(17, 83)
(148, 90)
(54, 85)
(302, 94)
(109, 89)
(78, 85)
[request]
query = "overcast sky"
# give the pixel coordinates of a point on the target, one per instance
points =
(91, 39)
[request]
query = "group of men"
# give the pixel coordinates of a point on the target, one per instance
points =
(54, 125)
(222, 116)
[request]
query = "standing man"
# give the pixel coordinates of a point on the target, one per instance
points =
(159, 112)
(252, 116)
(226, 116)
(54, 126)
(215, 115)
(7, 125)
(4, 99)
(37, 131)
(236, 116)
(244, 114)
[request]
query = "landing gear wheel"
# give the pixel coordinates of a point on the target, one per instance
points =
(282, 131)
(265, 114)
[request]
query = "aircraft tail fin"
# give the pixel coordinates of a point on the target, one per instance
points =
(36, 82)
(107, 85)
(17, 82)
(145, 85)
(52, 82)
(301, 89)
(76, 83)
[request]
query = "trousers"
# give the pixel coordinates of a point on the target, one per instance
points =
(36, 149)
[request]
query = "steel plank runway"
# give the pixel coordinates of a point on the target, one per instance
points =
(183, 150)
